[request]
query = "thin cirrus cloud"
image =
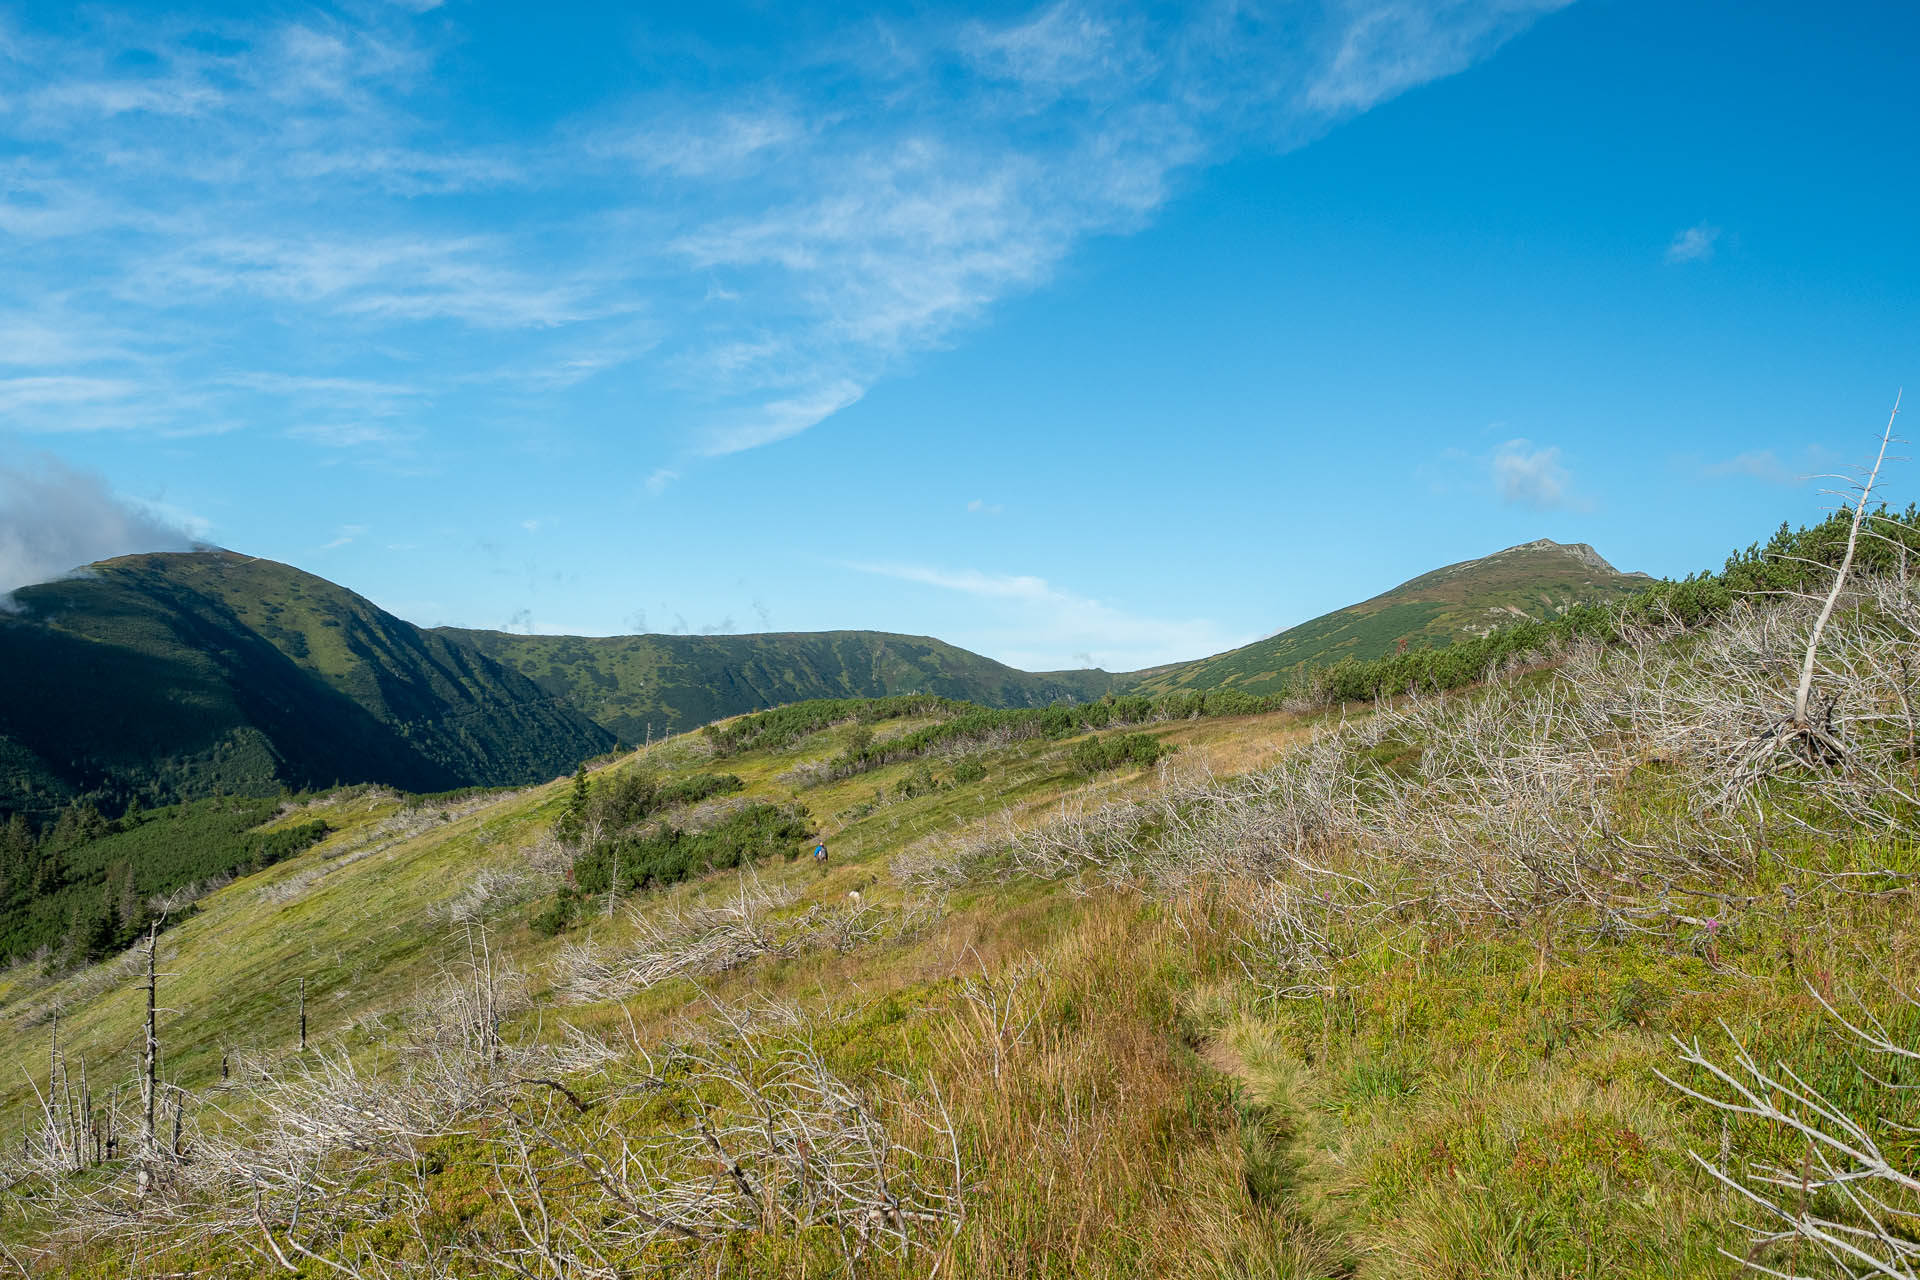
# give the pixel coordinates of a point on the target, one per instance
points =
(348, 535)
(1768, 467)
(347, 435)
(1027, 622)
(1695, 244)
(753, 255)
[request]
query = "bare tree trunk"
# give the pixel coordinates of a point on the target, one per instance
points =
(56, 1108)
(149, 1069)
(87, 1152)
(72, 1109)
(1800, 720)
(483, 1015)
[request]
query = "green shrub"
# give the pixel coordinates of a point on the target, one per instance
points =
(918, 782)
(1116, 751)
(783, 726)
(278, 846)
(558, 915)
(630, 797)
(667, 855)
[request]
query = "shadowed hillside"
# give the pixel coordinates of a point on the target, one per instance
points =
(179, 674)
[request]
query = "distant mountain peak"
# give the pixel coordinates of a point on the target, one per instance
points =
(1541, 579)
(1581, 551)
(1543, 557)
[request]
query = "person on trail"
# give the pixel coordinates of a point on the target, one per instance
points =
(820, 856)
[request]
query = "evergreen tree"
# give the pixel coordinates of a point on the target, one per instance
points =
(90, 937)
(99, 937)
(574, 820)
(122, 902)
(49, 872)
(17, 839)
(78, 824)
(17, 846)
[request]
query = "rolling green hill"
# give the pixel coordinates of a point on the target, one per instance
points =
(176, 675)
(1538, 580)
(674, 683)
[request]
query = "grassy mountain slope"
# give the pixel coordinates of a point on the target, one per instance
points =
(1377, 999)
(174, 675)
(178, 675)
(679, 682)
(92, 901)
(1539, 580)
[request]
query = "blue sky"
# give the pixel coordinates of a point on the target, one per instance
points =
(1075, 333)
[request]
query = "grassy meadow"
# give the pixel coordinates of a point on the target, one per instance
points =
(1327, 994)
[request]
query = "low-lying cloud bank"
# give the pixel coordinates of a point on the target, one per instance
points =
(55, 518)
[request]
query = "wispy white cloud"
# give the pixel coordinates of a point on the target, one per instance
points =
(1028, 622)
(54, 337)
(172, 516)
(1695, 244)
(699, 140)
(410, 171)
(332, 387)
(574, 360)
(1768, 467)
(348, 435)
(392, 279)
(1383, 50)
(971, 582)
(1062, 48)
(752, 255)
(657, 482)
(60, 390)
(1530, 475)
(349, 533)
(55, 518)
(778, 419)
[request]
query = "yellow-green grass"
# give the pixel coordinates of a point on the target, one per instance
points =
(1465, 1099)
(362, 915)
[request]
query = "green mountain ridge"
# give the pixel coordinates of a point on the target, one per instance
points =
(175, 675)
(674, 683)
(1539, 580)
